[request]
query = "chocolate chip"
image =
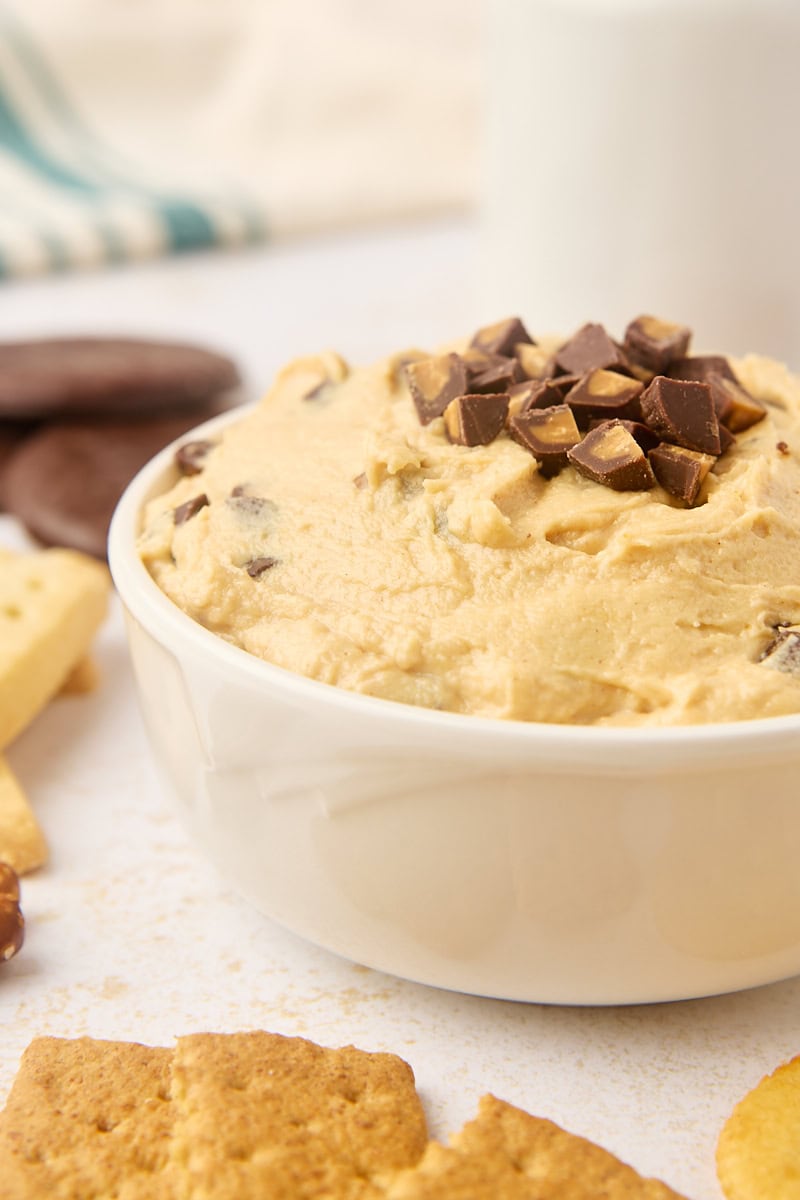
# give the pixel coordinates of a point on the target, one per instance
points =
(680, 472)
(782, 447)
(184, 512)
(434, 382)
(700, 367)
(604, 394)
(248, 504)
(654, 343)
(610, 455)
(682, 412)
(783, 652)
(502, 337)
(736, 408)
(257, 566)
(548, 433)
(587, 350)
(475, 420)
(190, 458)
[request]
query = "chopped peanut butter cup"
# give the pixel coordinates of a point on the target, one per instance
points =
(548, 433)
(475, 420)
(610, 454)
(654, 343)
(434, 382)
(682, 412)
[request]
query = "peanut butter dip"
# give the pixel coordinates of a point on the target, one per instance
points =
(343, 530)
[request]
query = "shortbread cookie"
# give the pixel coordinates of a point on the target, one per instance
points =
(80, 376)
(87, 1120)
(506, 1154)
(22, 843)
(83, 678)
(257, 1114)
(51, 604)
(758, 1152)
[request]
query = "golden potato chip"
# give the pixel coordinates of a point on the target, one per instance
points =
(758, 1152)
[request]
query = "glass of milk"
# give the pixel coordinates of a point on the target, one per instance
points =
(643, 156)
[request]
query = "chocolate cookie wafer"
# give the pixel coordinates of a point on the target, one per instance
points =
(91, 376)
(64, 481)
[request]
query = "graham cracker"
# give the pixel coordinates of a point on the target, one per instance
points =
(507, 1154)
(87, 1120)
(258, 1114)
(51, 604)
(22, 843)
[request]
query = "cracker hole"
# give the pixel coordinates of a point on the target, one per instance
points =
(12, 611)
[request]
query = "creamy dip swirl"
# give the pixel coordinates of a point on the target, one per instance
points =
(344, 540)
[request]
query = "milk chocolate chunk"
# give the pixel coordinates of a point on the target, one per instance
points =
(190, 458)
(490, 372)
(609, 454)
(783, 653)
(434, 382)
(501, 337)
(701, 367)
(548, 433)
(654, 343)
(190, 508)
(604, 394)
(534, 393)
(475, 420)
(257, 566)
(644, 436)
(680, 472)
(736, 408)
(682, 412)
(587, 350)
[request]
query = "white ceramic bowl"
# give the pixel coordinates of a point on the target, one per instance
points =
(525, 861)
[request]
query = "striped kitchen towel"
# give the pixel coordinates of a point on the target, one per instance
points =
(288, 115)
(67, 199)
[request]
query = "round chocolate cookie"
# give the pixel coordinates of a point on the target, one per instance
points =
(64, 480)
(92, 376)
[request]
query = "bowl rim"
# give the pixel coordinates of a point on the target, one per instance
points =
(165, 620)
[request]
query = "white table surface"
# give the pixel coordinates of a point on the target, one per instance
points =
(131, 934)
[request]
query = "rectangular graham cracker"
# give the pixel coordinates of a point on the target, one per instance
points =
(87, 1120)
(22, 843)
(51, 604)
(261, 1115)
(506, 1154)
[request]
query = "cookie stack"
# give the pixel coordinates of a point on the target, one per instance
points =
(80, 416)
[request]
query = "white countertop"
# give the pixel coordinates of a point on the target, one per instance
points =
(130, 934)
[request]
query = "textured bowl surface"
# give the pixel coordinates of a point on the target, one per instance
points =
(545, 863)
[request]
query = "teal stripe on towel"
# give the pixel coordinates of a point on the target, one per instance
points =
(188, 226)
(16, 138)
